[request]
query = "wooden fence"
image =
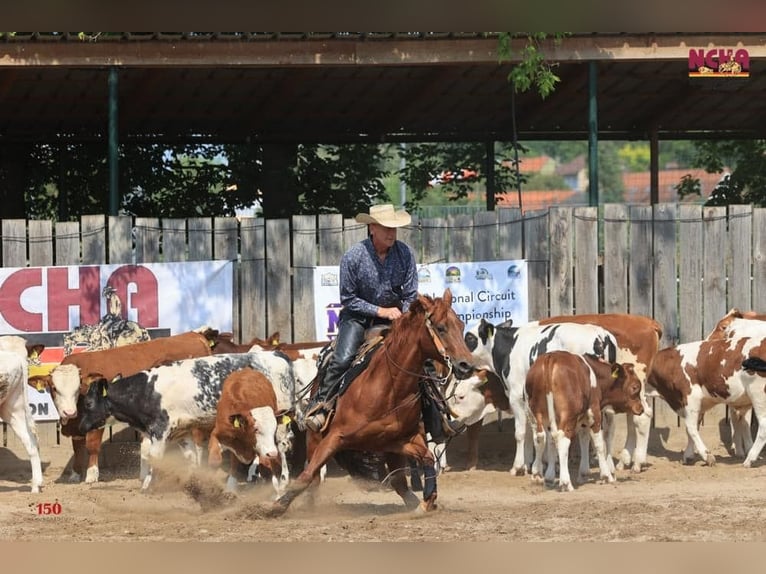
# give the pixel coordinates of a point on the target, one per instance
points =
(684, 265)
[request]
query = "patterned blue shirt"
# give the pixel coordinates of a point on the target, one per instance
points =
(366, 283)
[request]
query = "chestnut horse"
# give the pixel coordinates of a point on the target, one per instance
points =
(381, 409)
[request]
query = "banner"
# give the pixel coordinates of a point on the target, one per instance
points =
(492, 290)
(81, 305)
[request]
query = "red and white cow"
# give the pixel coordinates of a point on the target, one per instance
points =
(246, 425)
(567, 393)
(638, 341)
(510, 351)
(14, 405)
(693, 377)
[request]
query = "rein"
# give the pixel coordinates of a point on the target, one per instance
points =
(440, 348)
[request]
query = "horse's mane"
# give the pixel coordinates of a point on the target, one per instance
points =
(401, 327)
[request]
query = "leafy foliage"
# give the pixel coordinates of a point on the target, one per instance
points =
(533, 70)
(747, 181)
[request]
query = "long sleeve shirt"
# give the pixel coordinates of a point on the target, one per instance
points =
(367, 284)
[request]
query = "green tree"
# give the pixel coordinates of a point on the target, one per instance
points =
(746, 182)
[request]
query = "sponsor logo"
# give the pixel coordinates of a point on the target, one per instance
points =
(719, 63)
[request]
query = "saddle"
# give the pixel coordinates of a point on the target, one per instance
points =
(374, 337)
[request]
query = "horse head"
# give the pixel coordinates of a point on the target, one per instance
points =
(444, 342)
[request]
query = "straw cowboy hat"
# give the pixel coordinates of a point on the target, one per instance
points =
(385, 215)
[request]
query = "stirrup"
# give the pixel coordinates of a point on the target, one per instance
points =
(316, 421)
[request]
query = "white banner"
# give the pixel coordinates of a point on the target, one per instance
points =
(493, 290)
(42, 304)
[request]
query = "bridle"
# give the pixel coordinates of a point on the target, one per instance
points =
(440, 348)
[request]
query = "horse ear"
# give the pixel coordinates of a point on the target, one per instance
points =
(447, 296)
(418, 306)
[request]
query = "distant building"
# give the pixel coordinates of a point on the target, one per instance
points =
(636, 185)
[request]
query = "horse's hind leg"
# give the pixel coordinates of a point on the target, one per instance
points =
(396, 465)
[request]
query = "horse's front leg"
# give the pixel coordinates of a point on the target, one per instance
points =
(324, 451)
(416, 447)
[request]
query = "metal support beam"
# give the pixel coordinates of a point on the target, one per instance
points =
(654, 167)
(114, 194)
(490, 170)
(592, 135)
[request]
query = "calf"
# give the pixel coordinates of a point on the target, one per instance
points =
(246, 425)
(14, 406)
(510, 351)
(693, 377)
(566, 391)
(68, 382)
(169, 400)
(637, 342)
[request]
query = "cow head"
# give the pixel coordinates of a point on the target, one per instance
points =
(251, 433)
(466, 399)
(65, 390)
(627, 381)
(480, 339)
(95, 405)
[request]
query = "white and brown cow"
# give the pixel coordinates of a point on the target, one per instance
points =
(637, 342)
(568, 392)
(168, 401)
(14, 405)
(693, 377)
(510, 351)
(246, 425)
(69, 381)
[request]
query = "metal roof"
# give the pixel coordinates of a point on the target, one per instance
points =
(375, 87)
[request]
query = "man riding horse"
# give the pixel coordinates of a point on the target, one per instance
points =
(378, 283)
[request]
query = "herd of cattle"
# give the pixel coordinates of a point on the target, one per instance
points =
(560, 378)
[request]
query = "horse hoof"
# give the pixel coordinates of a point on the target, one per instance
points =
(411, 500)
(425, 507)
(710, 460)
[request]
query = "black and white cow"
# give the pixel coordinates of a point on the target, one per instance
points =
(168, 401)
(510, 351)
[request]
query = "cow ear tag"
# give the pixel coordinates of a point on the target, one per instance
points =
(103, 392)
(615, 373)
(286, 420)
(236, 423)
(39, 386)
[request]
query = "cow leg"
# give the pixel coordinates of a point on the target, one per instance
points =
(608, 428)
(155, 450)
(758, 398)
(691, 417)
(583, 439)
(521, 425)
(79, 456)
(472, 455)
(598, 442)
(93, 440)
(24, 427)
(145, 467)
(551, 455)
(538, 436)
(562, 443)
(742, 438)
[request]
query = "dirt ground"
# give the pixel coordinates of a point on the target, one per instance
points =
(666, 502)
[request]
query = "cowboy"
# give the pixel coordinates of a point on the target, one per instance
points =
(378, 282)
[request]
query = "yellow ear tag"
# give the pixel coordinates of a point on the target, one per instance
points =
(103, 393)
(236, 423)
(34, 355)
(615, 374)
(286, 420)
(39, 386)
(275, 342)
